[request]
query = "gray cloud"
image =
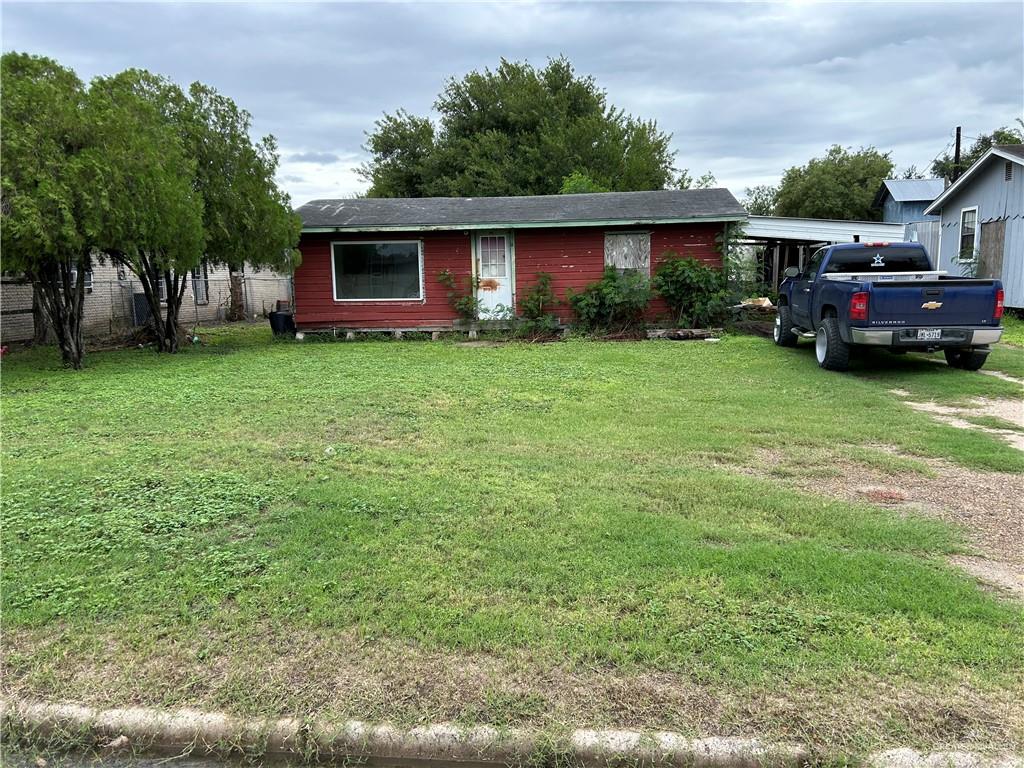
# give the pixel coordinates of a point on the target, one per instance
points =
(323, 158)
(747, 90)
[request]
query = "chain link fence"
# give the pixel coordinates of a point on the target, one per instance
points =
(115, 307)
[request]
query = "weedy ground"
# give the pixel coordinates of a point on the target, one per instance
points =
(553, 535)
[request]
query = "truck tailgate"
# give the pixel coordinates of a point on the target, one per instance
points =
(934, 303)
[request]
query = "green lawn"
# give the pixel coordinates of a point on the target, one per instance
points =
(574, 510)
(1013, 332)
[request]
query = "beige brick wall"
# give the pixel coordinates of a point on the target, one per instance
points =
(109, 305)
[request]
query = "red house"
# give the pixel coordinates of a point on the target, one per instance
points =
(376, 263)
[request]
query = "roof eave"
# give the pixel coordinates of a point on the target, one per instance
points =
(315, 229)
(948, 192)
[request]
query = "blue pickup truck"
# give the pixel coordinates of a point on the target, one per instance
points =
(887, 295)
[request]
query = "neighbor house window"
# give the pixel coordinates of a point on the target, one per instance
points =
(377, 271)
(88, 279)
(161, 289)
(968, 233)
(201, 284)
(628, 251)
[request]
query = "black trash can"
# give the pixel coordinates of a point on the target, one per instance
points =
(282, 323)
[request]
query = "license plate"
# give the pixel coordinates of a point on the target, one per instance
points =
(929, 334)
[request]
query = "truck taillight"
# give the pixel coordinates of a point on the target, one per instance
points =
(859, 306)
(999, 305)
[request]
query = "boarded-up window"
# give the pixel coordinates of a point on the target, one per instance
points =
(628, 251)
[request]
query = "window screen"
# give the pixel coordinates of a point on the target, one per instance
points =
(382, 270)
(628, 251)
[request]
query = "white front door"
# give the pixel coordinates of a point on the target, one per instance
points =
(494, 274)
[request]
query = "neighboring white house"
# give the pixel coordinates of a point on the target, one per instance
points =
(982, 215)
(114, 302)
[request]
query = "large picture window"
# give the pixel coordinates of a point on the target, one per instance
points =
(377, 271)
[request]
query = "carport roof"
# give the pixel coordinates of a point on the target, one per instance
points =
(594, 209)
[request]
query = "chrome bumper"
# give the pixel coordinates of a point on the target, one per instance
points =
(957, 336)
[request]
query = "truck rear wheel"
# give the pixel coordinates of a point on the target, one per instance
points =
(783, 332)
(966, 359)
(832, 352)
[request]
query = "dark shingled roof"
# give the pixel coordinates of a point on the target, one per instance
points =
(537, 210)
(1012, 149)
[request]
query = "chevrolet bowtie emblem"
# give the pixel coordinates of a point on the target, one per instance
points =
(931, 305)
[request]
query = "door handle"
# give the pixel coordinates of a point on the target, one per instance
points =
(807, 290)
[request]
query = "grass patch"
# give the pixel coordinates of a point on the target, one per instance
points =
(569, 504)
(993, 422)
(1008, 359)
(1013, 329)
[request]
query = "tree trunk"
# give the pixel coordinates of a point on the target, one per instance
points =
(170, 330)
(42, 332)
(236, 307)
(149, 277)
(62, 302)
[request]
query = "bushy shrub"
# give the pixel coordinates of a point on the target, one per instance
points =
(696, 292)
(539, 299)
(463, 300)
(616, 302)
(535, 305)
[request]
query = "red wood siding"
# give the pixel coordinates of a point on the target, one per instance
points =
(315, 306)
(573, 256)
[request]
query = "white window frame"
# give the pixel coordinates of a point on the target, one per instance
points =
(650, 247)
(474, 255)
(334, 278)
(200, 275)
(960, 236)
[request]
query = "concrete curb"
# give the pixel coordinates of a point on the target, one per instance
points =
(207, 733)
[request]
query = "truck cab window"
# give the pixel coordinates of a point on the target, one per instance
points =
(814, 264)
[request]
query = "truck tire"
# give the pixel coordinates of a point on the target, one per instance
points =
(783, 332)
(966, 359)
(832, 352)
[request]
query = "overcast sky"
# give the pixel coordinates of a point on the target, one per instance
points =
(747, 90)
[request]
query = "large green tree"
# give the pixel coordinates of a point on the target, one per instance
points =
(840, 185)
(761, 200)
(246, 217)
(45, 190)
(944, 167)
(186, 183)
(149, 214)
(517, 130)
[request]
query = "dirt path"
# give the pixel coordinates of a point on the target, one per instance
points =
(987, 506)
(1008, 411)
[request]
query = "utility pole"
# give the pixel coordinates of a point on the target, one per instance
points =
(956, 156)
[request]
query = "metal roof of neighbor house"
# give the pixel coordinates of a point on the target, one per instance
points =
(1012, 152)
(915, 190)
(821, 230)
(594, 209)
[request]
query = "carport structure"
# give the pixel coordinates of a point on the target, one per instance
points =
(787, 241)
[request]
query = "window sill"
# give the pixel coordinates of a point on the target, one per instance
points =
(414, 300)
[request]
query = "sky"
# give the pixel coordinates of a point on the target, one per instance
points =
(746, 89)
